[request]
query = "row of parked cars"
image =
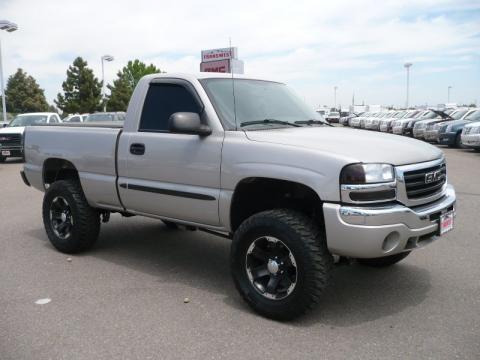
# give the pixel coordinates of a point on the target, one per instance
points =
(11, 134)
(453, 127)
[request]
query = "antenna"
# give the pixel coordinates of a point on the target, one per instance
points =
(233, 85)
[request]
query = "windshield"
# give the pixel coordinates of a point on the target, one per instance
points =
(474, 116)
(100, 117)
(458, 114)
(256, 100)
(27, 120)
(429, 115)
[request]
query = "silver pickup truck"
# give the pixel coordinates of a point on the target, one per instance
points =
(247, 160)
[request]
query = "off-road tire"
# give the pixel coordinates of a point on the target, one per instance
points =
(307, 242)
(86, 220)
(384, 261)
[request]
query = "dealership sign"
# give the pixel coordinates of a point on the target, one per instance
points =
(221, 66)
(222, 60)
(219, 54)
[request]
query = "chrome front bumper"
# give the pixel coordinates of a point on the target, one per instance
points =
(376, 231)
(472, 140)
(397, 130)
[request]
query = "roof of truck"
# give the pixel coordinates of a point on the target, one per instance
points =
(207, 75)
(37, 113)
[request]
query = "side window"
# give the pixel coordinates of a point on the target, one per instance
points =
(53, 119)
(75, 119)
(163, 100)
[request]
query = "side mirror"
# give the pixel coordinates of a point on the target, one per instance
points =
(188, 123)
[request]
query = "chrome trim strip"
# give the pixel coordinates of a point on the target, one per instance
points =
(346, 189)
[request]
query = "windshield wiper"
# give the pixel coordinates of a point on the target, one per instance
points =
(268, 121)
(312, 122)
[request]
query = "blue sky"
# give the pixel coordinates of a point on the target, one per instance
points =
(359, 46)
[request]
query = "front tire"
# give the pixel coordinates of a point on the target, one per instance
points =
(280, 263)
(458, 141)
(384, 261)
(71, 224)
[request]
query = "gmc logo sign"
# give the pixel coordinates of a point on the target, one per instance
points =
(433, 176)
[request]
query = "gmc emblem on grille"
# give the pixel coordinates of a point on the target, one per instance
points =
(433, 176)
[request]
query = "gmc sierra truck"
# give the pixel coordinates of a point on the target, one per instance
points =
(245, 159)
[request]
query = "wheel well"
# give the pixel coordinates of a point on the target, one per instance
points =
(58, 169)
(253, 195)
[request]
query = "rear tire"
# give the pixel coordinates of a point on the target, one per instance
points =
(384, 261)
(72, 225)
(297, 280)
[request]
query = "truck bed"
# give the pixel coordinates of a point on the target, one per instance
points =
(91, 148)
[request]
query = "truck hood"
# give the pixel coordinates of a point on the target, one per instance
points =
(351, 145)
(13, 130)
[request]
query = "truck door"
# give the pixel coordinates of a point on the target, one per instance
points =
(166, 174)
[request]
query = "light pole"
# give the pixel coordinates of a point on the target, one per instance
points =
(104, 58)
(448, 98)
(335, 97)
(10, 27)
(407, 66)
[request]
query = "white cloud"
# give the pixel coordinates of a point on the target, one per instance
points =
(302, 42)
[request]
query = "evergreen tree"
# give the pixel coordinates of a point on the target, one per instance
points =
(82, 90)
(24, 94)
(127, 79)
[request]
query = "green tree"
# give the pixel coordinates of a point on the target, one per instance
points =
(24, 94)
(82, 90)
(127, 79)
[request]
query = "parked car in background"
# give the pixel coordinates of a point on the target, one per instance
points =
(420, 126)
(354, 122)
(106, 117)
(399, 124)
(450, 132)
(419, 123)
(11, 137)
(75, 118)
(471, 136)
(408, 128)
(432, 129)
(345, 120)
(386, 123)
(373, 123)
(333, 117)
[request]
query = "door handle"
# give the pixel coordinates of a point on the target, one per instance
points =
(137, 149)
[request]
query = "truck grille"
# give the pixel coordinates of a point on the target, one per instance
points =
(425, 182)
(14, 140)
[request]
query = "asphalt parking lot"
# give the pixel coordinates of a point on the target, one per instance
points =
(125, 299)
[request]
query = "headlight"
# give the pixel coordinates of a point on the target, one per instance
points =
(410, 123)
(367, 174)
(367, 183)
(449, 128)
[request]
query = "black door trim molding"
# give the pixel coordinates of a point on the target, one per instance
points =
(168, 192)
